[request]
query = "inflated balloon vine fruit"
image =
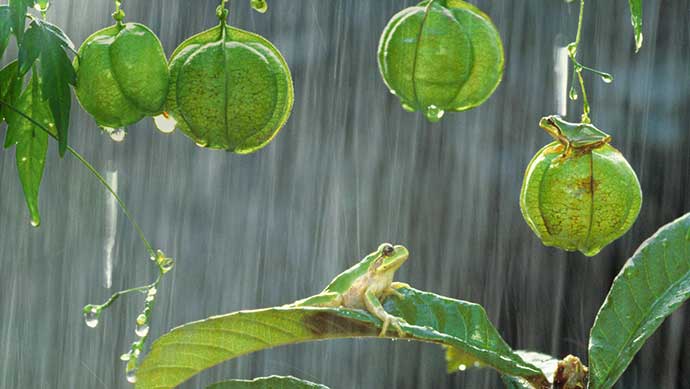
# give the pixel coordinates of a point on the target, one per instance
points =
(230, 89)
(441, 55)
(579, 193)
(122, 75)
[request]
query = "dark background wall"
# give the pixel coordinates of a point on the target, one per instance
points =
(350, 170)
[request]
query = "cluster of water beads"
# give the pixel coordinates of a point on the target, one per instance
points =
(116, 134)
(165, 123)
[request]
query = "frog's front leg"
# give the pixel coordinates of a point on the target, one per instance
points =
(325, 299)
(393, 290)
(375, 308)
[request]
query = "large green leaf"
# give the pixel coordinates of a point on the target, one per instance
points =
(651, 285)
(10, 86)
(32, 144)
(546, 363)
(187, 350)
(636, 18)
(272, 382)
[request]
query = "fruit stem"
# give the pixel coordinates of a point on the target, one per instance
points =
(93, 171)
(119, 14)
(222, 12)
(578, 68)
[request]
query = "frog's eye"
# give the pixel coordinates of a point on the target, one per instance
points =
(387, 249)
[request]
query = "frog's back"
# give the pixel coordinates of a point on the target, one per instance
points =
(344, 280)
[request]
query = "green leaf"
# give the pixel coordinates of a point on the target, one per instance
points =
(636, 18)
(187, 350)
(30, 48)
(47, 42)
(18, 16)
(9, 91)
(32, 144)
(651, 285)
(546, 363)
(5, 27)
(272, 382)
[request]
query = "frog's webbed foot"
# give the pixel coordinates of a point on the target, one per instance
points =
(392, 321)
(393, 290)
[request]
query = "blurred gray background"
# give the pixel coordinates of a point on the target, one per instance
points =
(350, 170)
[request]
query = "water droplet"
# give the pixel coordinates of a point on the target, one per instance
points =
(165, 123)
(91, 315)
(152, 291)
(132, 376)
(573, 94)
(141, 319)
(42, 6)
(116, 134)
(260, 5)
(607, 78)
(201, 144)
(407, 106)
(35, 222)
(433, 113)
(393, 92)
(150, 298)
(142, 330)
(462, 367)
(125, 357)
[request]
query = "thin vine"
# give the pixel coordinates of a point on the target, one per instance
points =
(578, 68)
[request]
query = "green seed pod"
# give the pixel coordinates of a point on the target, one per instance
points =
(441, 55)
(122, 75)
(230, 89)
(579, 193)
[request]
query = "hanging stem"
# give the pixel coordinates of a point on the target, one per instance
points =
(578, 68)
(93, 171)
(119, 14)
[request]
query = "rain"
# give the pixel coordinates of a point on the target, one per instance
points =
(351, 169)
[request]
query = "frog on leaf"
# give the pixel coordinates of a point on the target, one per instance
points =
(365, 285)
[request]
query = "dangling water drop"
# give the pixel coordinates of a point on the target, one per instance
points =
(165, 123)
(125, 357)
(201, 144)
(35, 222)
(142, 330)
(116, 134)
(433, 113)
(91, 315)
(607, 78)
(462, 367)
(132, 376)
(573, 94)
(407, 106)
(152, 291)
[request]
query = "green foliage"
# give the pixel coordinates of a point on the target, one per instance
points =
(651, 285)
(31, 142)
(47, 42)
(272, 382)
(5, 27)
(187, 350)
(10, 86)
(636, 18)
(18, 16)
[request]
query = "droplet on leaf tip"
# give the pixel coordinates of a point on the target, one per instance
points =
(433, 113)
(607, 78)
(462, 367)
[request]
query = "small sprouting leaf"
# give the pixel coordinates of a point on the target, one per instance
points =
(653, 283)
(5, 27)
(187, 350)
(636, 18)
(272, 382)
(18, 16)
(32, 143)
(30, 48)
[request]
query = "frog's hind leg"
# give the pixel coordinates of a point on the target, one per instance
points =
(375, 308)
(326, 299)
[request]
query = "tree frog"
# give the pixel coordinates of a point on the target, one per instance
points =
(574, 135)
(365, 285)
